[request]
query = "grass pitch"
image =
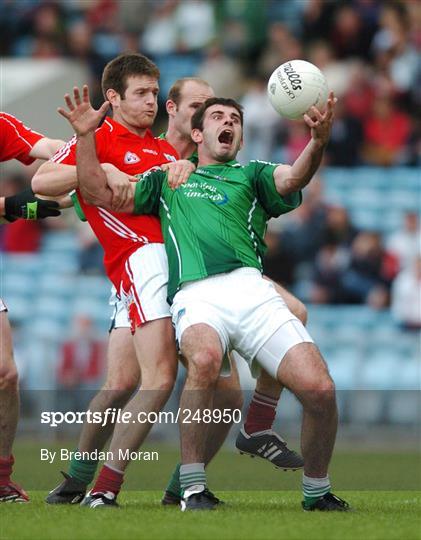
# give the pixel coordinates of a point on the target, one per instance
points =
(383, 487)
(246, 516)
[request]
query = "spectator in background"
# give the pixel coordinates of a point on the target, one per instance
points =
(242, 27)
(343, 148)
(80, 46)
(406, 296)
(263, 126)
(80, 367)
(281, 46)
(330, 263)
(350, 36)
(333, 258)
(322, 54)
(338, 228)
(195, 21)
(161, 34)
(359, 97)
(297, 138)
(405, 243)
(301, 233)
(370, 272)
(393, 46)
(45, 32)
(317, 19)
(386, 134)
(222, 73)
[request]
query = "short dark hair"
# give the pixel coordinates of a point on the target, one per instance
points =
(197, 118)
(174, 93)
(117, 71)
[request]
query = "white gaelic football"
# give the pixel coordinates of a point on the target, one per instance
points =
(295, 86)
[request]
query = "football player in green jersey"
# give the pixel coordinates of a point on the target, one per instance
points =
(213, 228)
(184, 98)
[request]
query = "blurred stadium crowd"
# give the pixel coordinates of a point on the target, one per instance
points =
(367, 49)
(356, 237)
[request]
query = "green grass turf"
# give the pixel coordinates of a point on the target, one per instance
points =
(358, 470)
(246, 516)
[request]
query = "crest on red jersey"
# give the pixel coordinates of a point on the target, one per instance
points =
(130, 158)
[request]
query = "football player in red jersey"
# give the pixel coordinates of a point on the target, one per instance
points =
(134, 255)
(17, 142)
(184, 98)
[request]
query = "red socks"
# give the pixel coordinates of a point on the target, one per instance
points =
(108, 480)
(6, 466)
(261, 413)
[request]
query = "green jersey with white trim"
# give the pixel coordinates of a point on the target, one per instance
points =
(216, 221)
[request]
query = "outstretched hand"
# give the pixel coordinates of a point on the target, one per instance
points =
(321, 123)
(81, 115)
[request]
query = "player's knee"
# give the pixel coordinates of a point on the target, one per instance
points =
(204, 366)
(9, 379)
(321, 396)
(164, 383)
(162, 377)
(121, 383)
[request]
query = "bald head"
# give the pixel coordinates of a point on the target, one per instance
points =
(187, 85)
(184, 98)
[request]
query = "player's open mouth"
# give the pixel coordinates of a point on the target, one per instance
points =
(226, 136)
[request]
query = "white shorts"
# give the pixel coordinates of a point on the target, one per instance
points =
(246, 311)
(3, 306)
(143, 287)
(119, 317)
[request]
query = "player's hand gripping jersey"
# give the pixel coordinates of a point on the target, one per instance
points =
(216, 222)
(16, 140)
(119, 233)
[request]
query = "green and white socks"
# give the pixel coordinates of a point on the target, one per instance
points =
(314, 488)
(192, 477)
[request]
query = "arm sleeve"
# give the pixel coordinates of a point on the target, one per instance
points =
(17, 140)
(148, 193)
(261, 176)
(66, 155)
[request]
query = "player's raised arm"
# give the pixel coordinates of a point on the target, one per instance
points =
(291, 178)
(84, 119)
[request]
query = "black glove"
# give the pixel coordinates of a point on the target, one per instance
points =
(25, 205)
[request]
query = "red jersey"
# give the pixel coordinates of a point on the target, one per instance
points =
(16, 140)
(120, 234)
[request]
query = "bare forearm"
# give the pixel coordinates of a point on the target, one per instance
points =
(54, 179)
(91, 177)
(297, 176)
